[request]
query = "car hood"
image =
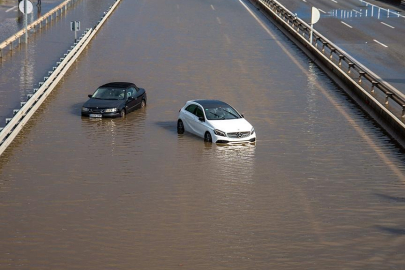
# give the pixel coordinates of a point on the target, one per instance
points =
(232, 125)
(103, 103)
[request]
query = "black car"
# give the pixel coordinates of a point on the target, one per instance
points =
(114, 99)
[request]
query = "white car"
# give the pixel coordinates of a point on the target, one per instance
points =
(215, 121)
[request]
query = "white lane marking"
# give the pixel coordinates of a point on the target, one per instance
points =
(212, 7)
(377, 149)
(321, 10)
(228, 39)
(304, 1)
(382, 44)
(356, 11)
(219, 20)
(334, 1)
(347, 24)
(10, 9)
(386, 24)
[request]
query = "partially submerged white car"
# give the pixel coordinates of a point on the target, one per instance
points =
(215, 121)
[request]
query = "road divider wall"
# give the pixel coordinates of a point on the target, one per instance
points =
(49, 16)
(21, 116)
(380, 100)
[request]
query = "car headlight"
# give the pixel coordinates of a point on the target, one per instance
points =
(111, 110)
(219, 133)
(252, 131)
(84, 109)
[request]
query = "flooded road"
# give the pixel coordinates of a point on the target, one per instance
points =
(323, 188)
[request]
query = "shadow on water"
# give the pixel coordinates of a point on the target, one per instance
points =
(395, 231)
(75, 108)
(391, 198)
(394, 199)
(168, 125)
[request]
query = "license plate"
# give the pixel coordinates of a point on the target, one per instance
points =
(95, 115)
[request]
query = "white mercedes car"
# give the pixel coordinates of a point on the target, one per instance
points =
(215, 121)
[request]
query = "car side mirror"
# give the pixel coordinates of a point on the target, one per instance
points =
(131, 98)
(242, 116)
(89, 96)
(202, 119)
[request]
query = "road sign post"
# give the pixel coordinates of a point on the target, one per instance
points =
(314, 19)
(26, 8)
(75, 26)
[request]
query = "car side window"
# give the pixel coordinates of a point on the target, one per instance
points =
(199, 113)
(131, 92)
(191, 108)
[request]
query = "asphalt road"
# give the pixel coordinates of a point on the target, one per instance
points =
(374, 35)
(323, 187)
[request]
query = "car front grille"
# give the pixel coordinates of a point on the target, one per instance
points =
(94, 110)
(238, 135)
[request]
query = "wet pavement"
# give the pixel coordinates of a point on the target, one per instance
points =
(370, 31)
(12, 20)
(323, 188)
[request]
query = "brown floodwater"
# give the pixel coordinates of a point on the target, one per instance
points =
(323, 187)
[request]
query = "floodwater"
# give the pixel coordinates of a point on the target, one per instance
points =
(323, 187)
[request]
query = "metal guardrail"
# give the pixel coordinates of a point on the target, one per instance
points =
(55, 12)
(343, 61)
(21, 116)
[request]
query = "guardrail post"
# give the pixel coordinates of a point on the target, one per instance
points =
(361, 73)
(350, 66)
(324, 43)
(1, 53)
(373, 84)
(341, 57)
(388, 95)
(332, 50)
(403, 111)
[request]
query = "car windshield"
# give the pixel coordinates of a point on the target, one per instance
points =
(221, 113)
(109, 93)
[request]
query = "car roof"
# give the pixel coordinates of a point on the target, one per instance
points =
(118, 84)
(209, 103)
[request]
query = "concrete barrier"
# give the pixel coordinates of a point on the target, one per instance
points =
(380, 100)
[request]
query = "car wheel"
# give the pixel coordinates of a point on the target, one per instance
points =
(143, 103)
(180, 127)
(207, 137)
(122, 113)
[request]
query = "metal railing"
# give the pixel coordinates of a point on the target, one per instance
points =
(362, 76)
(21, 116)
(54, 13)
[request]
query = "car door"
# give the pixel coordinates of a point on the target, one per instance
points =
(131, 101)
(198, 122)
(189, 118)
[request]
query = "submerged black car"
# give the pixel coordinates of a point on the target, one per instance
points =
(114, 100)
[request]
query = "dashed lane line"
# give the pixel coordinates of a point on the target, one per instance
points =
(386, 24)
(334, 1)
(382, 44)
(10, 9)
(348, 25)
(212, 7)
(219, 20)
